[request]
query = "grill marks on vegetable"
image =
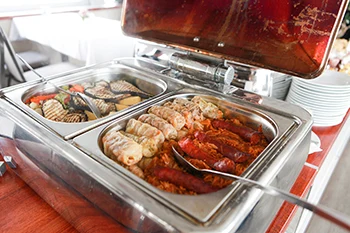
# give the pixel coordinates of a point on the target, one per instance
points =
(108, 97)
(195, 127)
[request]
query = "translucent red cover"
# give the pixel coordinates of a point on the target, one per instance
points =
(289, 36)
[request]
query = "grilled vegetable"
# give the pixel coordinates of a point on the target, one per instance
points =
(53, 110)
(104, 93)
(77, 88)
(130, 100)
(75, 117)
(122, 87)
(121, 106)
(63, 98)
(90, 115)
(40, 98)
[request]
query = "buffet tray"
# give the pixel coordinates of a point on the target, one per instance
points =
(110, 71)
(278, 130)
(80, 163)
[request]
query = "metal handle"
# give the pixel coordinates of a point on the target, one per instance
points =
(31, 68)
(2, 168)
(327, 213)
(201, 69)
(9, 160)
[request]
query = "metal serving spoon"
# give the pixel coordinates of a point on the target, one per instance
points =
(85, 98)
(324, 212)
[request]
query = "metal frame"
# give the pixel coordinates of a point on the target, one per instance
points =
(6, 44)
(2, 57)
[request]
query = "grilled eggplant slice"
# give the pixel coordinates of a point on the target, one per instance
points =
(54, 110)
(78, 104)
(104, 107)
(75, 117)
(102, 83)
(104, 93)
(124, 87)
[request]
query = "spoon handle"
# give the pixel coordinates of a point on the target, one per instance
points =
(31, 68)
(324, 212)
(92, 106)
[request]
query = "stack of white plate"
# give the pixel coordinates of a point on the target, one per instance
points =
(280, 85)
(327, 97)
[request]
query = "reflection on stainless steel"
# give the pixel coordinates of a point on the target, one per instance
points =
(155, 52)
(328, 214)
(201, 69)
(246, 95)
(215, 71)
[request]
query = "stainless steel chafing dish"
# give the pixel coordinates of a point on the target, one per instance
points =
(80, 163)
(71, 155)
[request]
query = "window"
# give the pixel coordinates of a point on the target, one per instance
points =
(47, 5)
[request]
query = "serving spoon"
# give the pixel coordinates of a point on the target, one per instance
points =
(322, 211)
(85, 98)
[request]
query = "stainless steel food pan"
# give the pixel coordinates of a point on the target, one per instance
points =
(227, 208)
(146, 81)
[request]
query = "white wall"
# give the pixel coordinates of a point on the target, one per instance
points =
(111, 13)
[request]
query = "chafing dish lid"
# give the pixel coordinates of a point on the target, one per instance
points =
(292, 36)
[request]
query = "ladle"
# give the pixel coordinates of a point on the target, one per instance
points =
(85, 98)
(324, 212)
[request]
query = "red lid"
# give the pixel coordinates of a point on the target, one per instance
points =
(288, 36)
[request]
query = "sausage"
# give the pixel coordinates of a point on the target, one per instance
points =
(223, 164)
(244, 132)
(183, 179)
(226, 150)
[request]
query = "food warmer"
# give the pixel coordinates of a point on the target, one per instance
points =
(205, 44)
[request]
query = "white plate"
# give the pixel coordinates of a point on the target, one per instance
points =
(327, 124)
(315, 89)
(332, 122)
(340, 100)
(325, 104)
(328, 118)
(315, 139)
(322, 104)
(318, 111)
(316, 93)
(331, 78)
(328, 81)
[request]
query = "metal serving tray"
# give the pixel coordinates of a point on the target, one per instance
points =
(132, 202)
(144, 80)
(231, 205)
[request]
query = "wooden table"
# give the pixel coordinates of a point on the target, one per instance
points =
(22, 210)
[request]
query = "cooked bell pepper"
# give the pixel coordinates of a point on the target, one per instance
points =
(63, 98)
(37, 99)
(77, 88)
